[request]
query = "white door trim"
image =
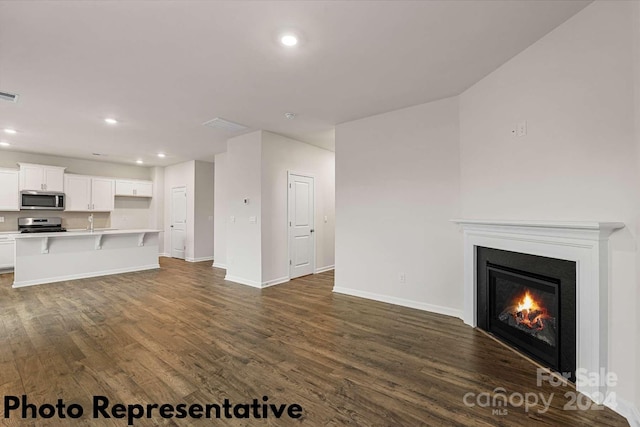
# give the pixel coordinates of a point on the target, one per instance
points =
(313, 255)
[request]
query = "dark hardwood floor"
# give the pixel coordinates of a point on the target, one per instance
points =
(183, 335)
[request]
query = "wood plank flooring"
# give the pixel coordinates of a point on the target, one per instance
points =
(183, 335)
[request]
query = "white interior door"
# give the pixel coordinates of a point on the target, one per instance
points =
(301, 226)
(178, 221)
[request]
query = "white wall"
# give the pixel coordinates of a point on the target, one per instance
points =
(220, 212)
(203, 211)
(397, 187)
(244, 263)
(279, 155)
(575, 89)
(180, 175)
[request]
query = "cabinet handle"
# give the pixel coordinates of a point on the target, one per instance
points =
(93, 206)
(135, 192)
(88, 207)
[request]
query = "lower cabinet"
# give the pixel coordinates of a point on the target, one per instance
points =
(7, 250)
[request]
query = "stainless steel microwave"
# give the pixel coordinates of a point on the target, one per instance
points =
(41, 200)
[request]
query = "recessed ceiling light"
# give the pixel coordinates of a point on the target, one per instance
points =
(162, 155)
(289, 40)
(290, 115)
(111, 121)
(139, 162)
(4, 144)
(11, 131)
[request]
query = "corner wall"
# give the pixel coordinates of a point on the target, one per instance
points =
(574, 87)
(279, 156)
(244, 250)
(397, 187)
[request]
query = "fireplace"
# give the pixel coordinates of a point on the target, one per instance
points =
(529, 302)
(585, 246)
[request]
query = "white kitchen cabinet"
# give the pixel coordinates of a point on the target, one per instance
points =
(7, 252)
(102, 194)
(9, 193)
(134, 188)
(41, 177)
(88, 193)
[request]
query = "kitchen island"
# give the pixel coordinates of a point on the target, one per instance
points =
(54, 257)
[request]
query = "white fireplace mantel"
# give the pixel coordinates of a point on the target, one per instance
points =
(585, 243)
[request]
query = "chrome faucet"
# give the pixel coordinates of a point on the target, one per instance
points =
(90, 227)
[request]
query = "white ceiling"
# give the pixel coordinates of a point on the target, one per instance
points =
(164, 68)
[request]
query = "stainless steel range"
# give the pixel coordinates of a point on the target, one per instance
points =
(40, 225)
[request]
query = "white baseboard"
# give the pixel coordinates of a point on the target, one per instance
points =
(204, 258)
(627, 410)
(275, 282)
(164, 254)
(323, 269)
(400, 301)
(84, 275)
(219, 265)
(255, 284)
(243, 281)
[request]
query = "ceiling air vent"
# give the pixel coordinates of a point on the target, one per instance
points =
(6, 96)
(226, 125)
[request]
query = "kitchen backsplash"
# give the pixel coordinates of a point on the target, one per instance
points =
(70, 220)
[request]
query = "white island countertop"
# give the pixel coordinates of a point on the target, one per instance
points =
(80, 233)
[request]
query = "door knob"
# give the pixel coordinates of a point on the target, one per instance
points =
(312, 230)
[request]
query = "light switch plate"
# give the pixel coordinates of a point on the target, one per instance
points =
(252, 219)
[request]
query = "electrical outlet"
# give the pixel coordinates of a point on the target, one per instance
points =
(232, 218)
(402, 277)
(326, 219)
(1, 219)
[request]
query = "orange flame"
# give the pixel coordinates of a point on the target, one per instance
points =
(527, 307)
(527, 303)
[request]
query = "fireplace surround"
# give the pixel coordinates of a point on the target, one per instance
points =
(585, 244)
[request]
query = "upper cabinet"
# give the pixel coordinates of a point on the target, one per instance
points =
(89, 193)
(41, 177)
(134, 188)
(9, 194)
